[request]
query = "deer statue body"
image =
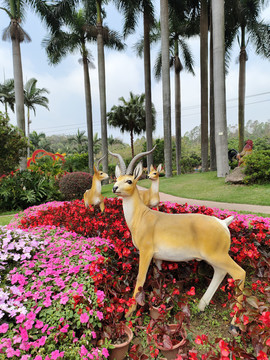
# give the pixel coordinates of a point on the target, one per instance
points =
(150, 197)
(174, 237)
(93, 196)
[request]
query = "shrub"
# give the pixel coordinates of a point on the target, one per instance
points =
(73, 185)
(188, 163)
(257, 168)
(77, 162)
(20, 190)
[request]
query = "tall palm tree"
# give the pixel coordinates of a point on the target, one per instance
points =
(15, 10)
(132, 10)
(34, 96)
(7, 94)
(35, 139)
(130, 116)
(250, 28)
(166, 94)
(80, 30)
(179, 50)
(219, 87)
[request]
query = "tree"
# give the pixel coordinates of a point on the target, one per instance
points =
(80, 30)
(34, 96)
(132, 11)
(7, 94)
(250, 28)
(14, 32)
(179, 50)
(130, 116)
(219, 87)
(13, 146)
(35, 139)
(79, 140)
(166, 93)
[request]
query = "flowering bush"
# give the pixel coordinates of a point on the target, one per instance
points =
(78, 284)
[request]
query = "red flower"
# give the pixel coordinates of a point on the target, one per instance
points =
(191, 291)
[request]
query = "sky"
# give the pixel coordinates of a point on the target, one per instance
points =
(124, 73)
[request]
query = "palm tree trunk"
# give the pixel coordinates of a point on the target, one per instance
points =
(28, 132)
(102, 88)
(242, 91)
(89, 119)
(177, 95)
(219, 87)
(204, 83)
(166, 91)
(213, 163)
(19, 95)
(147, 85)
(132, 143)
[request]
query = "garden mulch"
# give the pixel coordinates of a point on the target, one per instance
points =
(214, 204)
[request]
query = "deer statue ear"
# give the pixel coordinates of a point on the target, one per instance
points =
(117, 171)
(95, 169)
(152, 168)
(138, 171)
(159, 168)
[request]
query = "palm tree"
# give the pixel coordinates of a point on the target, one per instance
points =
(79, 139)
(35, 139)
(132, 11)
(97, 144)
(249, 28)
(179, 31)
(34, 96)
(166, 94)
(7, 95)
(219, 87)
(80, 31)
(14, 32)
(130, 116)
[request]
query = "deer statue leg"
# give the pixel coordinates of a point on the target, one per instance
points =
(101, 205)
(144, 262)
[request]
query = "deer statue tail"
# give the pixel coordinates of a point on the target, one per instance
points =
(229, 220)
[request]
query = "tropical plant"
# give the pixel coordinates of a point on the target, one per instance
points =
(13, 146)
(79, 139)
(35, 139)
(27, 188)
(34, 96)
(7, 95)
(14, 32)
(248, 27)
(130, 116)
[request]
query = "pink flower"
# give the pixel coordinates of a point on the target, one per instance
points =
(24, 334)
(31, 316)
(39, 324)
(56, 354)
(29, 324)
(42, 340)
(99, 315)
(65, 328)
(84, 351)
(47, 302)
(25, 357)
(64, 299)
(3, 328)
(84, 318)
(38, 357)
(20, 318)
(105, 352)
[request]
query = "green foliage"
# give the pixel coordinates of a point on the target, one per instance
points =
(73, 185)
(27, 188)
(258, 167)
(77, 162)
(48, 165)
(189, 163)
(13, 146)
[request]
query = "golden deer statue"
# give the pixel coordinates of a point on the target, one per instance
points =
(93, 196)
(174, 237)
(150, 197)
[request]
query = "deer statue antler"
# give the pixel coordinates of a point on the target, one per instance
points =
(98, 162)
(122, 164)
(131, 165)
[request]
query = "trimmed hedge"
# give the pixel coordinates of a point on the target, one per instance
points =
(73, 185)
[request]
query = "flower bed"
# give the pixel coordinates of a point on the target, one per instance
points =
(64, 301)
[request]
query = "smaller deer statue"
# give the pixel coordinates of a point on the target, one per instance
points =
(93, 196)
(150, 197)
